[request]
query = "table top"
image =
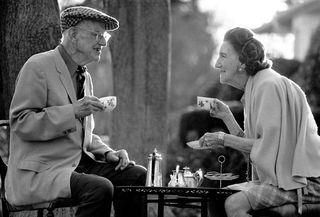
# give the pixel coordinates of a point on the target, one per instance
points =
(200, 191)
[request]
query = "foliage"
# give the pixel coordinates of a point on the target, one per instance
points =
(192, 49)
(286, 67)
(309, 76)
(174, 2)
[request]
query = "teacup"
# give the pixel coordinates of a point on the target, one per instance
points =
(109, 102)
(205, 102)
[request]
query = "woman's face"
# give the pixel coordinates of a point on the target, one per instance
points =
(231, 70)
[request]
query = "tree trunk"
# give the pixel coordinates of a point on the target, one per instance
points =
(140, 56)
(27, 27)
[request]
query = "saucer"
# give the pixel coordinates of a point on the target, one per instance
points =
(195, 145)
(220, 176)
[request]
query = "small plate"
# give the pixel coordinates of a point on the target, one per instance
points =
(220, 176)
(195, 145)
(212, 173)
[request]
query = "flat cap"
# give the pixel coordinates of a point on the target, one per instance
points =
(72, 16)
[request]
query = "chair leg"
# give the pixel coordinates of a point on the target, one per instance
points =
(4, 210)
(50, 213)
(40, 213)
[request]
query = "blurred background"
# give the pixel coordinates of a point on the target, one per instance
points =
(290, 31)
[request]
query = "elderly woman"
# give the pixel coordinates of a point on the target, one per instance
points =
(280, 133)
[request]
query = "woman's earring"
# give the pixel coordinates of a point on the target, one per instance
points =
(241, 68)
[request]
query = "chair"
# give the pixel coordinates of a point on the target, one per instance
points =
(49, 206)
(289, 210)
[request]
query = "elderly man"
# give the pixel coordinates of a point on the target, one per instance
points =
(53, 152)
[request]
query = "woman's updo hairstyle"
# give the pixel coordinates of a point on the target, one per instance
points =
(251, 51)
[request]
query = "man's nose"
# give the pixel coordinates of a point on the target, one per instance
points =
(102, 42)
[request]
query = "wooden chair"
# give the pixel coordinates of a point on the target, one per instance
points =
(49, 206)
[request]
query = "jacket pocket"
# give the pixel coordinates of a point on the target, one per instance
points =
(33, 165)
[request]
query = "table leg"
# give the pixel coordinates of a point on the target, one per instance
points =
(204, 207)
(145, 205)
(160, 205)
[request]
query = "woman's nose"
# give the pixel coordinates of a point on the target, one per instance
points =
(218, 64)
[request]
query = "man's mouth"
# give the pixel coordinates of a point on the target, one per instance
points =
(98, 49)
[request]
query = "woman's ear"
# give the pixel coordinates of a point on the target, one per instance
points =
(242, 67)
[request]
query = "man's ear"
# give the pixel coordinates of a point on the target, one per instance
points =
(72, 32)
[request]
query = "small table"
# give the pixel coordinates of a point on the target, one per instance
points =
(178, 197)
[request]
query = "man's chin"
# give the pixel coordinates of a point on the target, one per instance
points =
(222, 80)
(96, 59)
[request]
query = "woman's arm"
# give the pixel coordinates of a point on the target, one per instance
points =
(222, 111)
(239, 143)
(233, 125)
(223, 139)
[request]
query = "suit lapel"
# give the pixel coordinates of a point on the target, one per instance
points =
(65, 76)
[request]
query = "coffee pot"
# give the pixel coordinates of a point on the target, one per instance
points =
(185, 178)
(154, 173)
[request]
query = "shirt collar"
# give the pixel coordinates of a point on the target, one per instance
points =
(71, 65)
(242, 100)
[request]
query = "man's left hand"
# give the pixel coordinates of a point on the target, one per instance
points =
(120, 156)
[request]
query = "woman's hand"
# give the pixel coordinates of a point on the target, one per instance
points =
(219, 109)
(212, 139)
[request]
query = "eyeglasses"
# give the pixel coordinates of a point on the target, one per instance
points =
(98, 36)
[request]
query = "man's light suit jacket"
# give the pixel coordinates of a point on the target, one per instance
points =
(46, 139)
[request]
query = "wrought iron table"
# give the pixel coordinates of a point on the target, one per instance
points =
(178, 197)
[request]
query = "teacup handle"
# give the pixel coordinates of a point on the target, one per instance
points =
(199, 177)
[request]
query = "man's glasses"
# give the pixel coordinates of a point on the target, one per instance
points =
(98, 36)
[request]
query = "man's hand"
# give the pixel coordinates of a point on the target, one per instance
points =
(219, 109)
(120, 156)
(87, 106)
